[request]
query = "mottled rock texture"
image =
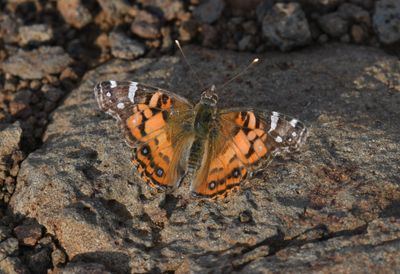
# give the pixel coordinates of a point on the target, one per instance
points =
(334, 207)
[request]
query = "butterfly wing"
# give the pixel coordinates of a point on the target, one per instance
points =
(247, 140)
(151, 119)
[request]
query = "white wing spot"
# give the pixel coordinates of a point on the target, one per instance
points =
(274, 120)
(108, 94)
(294, 134)
(132, 91)
(113, 83)
(121, 105)
(293, 122)
(278, 139)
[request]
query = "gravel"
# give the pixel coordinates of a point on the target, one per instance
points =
(38, 63)
(387, 21)
(286, 26)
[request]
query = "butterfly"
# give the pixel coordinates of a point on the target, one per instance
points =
(173, 139)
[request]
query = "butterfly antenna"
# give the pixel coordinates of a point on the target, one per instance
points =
(187, 63)
(240, 73)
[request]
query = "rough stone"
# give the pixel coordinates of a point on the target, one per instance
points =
(286, 26)
(74, 13)
(114, 9)
(146, 25)
(9, 25)
(339, 197)
(35, 33)
(9, 139)
(13, 265)
(124, 47)
(169, 8)
(333, 24)
(84, 268)
(8, 247)
(36, 64)
(28, 234)
(355, 13)
(386, 20)
(209, 11)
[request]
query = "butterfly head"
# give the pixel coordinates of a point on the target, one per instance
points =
(209, 97)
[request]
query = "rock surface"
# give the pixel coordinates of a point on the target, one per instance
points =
(286, 26)
(124, 47)
(339, 198)
(387, 21)
(74, 13)
(209, 11)
(36, 64)
(35, 33)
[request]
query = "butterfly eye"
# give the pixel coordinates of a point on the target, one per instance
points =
(212, 185)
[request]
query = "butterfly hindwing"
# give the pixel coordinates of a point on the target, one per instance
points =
(147, 116)
(247, 139)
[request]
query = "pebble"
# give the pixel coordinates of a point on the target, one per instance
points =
(74, 13)
(209, 11)
(35, 33)
(246, 43)
(58, 257)
(9, 25)
(37, 63)
(355, 13)
(13, 265)
(333, 24)
(357, 34)
(8, 247)
(82, 267)
(19, 106)
(170, 9)
(40, 261)
(245, 217)
(145, 25)
(386, 21)
(28, 234)
(115, 9)
(188, 30)
(124, 47)
(286, 26)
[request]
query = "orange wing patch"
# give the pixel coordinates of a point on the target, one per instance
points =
(228, 167)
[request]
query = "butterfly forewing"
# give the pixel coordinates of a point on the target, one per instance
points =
(148, 116)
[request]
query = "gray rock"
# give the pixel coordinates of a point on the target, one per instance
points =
(169, 8)
(37, 63)
(321, 5)
(209, 11)
(9, 139)
(339, 195)
(124, 47)
(8, 247)
(146, 25)
(354, 13)
(84, 268)
(333, 24)
(286, 26)
(13, 265)
(28, 234)
(9, 25)
(74, 13)
(35, 33)
(386, 20)
(114, 9)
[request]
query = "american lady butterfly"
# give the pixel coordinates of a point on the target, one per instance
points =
(173, 139)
